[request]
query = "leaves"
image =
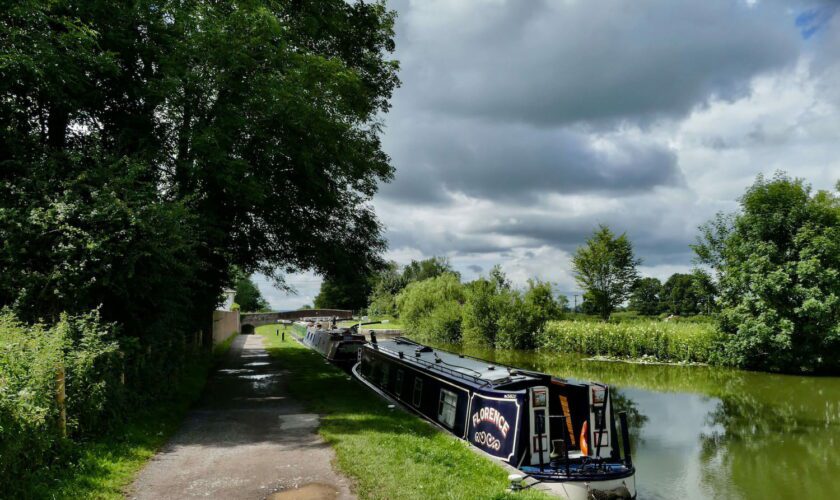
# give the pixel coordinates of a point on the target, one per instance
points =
(606, 269)
(778, 266)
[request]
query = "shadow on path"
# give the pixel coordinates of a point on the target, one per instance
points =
(245, 439)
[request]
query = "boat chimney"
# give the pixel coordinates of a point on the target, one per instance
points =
(372, 337)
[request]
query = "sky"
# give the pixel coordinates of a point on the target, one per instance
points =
(522, 125)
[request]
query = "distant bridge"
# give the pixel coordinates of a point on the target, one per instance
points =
(249, 321)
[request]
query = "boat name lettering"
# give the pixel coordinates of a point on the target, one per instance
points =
(488, 440)
(492, 415)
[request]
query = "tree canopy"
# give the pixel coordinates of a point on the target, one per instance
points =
(148, 147)
(248, 295)
(646, 296)
(605, 268)
(777, 262)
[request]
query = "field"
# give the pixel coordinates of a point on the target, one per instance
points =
(683, 342)
(388, 453)
(384, 323)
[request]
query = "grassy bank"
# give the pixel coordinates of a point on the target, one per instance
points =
(654, 340)
(387, 453)
(384, 323)
(104, 467)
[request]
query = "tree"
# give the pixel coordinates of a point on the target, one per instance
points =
(431, 308)
(347, 290)
(248, 296)
(147, 148)
(427, 268)
(777, 262)
(389, 281)
(524, 315)
(678, 295)
(606, 269)
(645, 297)
(483, 306)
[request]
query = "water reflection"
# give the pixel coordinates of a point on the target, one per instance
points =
(702, 432)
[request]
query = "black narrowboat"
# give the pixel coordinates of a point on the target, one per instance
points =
(338, 345)
(554, 430)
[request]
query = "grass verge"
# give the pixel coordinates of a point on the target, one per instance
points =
(104, 467)
(388, 453)
(655, 340)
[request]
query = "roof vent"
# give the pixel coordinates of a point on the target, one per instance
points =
(491, 367)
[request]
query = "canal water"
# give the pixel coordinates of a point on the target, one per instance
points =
(710, 433)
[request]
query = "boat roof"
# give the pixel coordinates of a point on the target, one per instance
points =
(449, 364)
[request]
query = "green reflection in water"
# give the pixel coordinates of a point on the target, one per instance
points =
(703, 432)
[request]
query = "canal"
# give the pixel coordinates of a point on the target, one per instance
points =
(710, 433)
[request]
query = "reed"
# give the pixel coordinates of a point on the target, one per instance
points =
(656, 340)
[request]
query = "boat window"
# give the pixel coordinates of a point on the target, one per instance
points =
(446, 408)
(385, 375)
(398, 383)
(418, 391)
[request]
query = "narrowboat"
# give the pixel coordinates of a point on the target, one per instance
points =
(338, 345)
(553, 430)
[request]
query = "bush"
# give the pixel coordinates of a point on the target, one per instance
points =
(662, 341)
(431, 309)
(30, 358)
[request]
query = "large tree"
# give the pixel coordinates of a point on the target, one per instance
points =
(149, 146)
(646, 296)
(605, 268)
(778, 267)
(248, 295)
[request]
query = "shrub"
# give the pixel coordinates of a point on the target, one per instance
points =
(30, 358)
(431, 309)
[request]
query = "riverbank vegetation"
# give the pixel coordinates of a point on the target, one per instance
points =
(93, 444)
(772, 303)
(388, 453)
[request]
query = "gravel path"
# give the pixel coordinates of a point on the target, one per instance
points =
(244, 440)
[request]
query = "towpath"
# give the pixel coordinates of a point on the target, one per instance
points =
(245, 439)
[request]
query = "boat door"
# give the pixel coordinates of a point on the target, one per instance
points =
(600, 416)
(540, 430)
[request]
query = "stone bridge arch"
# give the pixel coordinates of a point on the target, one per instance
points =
(249, 321)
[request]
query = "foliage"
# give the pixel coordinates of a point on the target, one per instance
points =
(419, 270)
(646, 296)
(688, 294)
(606, 269)
(144, 149)
(347, 290)
(390, 281)
(431, 309)
(143, 152)
(777, 262)
(661, 341)
(487, 299)
(248, 296)
(523, 320)
(30, 360)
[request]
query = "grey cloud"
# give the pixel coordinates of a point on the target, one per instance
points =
(550, 62)
(518, 162)
(475, 268)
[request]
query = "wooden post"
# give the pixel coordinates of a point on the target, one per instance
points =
(60, 400)
(122, 367)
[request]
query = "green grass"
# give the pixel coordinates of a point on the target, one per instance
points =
(376, 324)
(651, 339)
(104, 467)
(388, 453)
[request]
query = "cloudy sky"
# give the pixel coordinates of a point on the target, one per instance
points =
(522, 124)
